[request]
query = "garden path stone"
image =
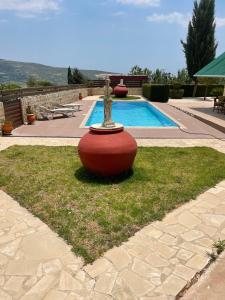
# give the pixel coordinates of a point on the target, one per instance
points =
(156, 263)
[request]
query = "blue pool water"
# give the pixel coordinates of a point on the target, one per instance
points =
(131, 114)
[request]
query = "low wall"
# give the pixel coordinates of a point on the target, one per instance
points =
(100, 91)
(135, 91)
(49, 100)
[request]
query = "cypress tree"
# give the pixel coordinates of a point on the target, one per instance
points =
(70, 76)
(200, 46)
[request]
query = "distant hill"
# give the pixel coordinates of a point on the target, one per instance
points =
(19, 72)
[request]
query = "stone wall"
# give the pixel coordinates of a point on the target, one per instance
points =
(2, 113)
(135, 91)
(49, 100)
(63, 97)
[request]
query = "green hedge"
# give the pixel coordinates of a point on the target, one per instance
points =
(201, 90)
(156, 92)
(160, 92)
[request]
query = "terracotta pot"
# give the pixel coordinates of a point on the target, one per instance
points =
(107, 152)
(7, 128)
(31, 118)
(121, 90)
(80, 96)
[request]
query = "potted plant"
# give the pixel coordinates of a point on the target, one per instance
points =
(7, 127)
(80, 96)
(30, 115)
(176, 92)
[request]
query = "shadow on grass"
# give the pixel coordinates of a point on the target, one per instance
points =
(86, 176)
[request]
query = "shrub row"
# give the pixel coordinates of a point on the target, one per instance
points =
(156, 92)
(160, 92)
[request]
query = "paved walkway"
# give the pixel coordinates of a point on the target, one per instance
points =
(211, 285)
(203, 110)
(156, 263)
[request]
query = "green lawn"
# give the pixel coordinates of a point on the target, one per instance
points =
(95, 214)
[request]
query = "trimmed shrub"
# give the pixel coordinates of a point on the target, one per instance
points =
(188, 90)
(201, 90)
(156, 92)
(176, 93)
(146, 90)
(160, 92)
(216, 91)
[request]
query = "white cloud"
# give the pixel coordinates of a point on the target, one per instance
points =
(30, 7)
(141, 2)
(220, 22)
(119, 14)
(179, 18)
(172, 18)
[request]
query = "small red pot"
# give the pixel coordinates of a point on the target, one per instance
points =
(107, 152)
(31, 118)
(7, 128)
(121, 90)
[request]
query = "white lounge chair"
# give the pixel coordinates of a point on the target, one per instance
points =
(74, 106)
(46, 112)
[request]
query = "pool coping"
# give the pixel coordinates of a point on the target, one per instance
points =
(179, 125)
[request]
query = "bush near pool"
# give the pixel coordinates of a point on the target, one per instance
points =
(160, 92)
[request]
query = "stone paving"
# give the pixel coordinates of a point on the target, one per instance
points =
(156, 263)
(211, 285)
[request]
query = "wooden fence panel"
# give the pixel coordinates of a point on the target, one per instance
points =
(13, 112)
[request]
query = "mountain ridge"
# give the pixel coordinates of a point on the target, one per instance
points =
(19, 72)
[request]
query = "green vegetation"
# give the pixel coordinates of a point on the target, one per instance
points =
(156, 92)
(75, 77)
(33, 82)
(176, 91)
(19, 72)
(161, 76)
(124, 98)
(160, 91)
(9, 86)
(200, 46)
(95, 214)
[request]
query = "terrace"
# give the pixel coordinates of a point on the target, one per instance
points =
(68, 234)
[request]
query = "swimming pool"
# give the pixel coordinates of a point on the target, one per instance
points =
(131, 114)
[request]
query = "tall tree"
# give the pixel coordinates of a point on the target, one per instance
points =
(78, 77)
(70, 76)
(200, 46)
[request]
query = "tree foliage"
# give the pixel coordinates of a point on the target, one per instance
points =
(200, 46)
(75, 76)
(70, 76)
(161, 76)
(33, 82)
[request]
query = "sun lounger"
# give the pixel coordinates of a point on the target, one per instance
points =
(74, 106)
(47, 113)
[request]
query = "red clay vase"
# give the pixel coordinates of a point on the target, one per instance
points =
(107, 152)
(121, 90)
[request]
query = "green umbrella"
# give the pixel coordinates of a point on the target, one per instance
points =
(215, 69)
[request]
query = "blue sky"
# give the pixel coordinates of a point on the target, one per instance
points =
(110, 35)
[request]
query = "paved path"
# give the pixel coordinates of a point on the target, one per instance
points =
(156, 263)
(211, 285)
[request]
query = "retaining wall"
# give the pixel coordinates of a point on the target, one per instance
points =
(49, 100)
